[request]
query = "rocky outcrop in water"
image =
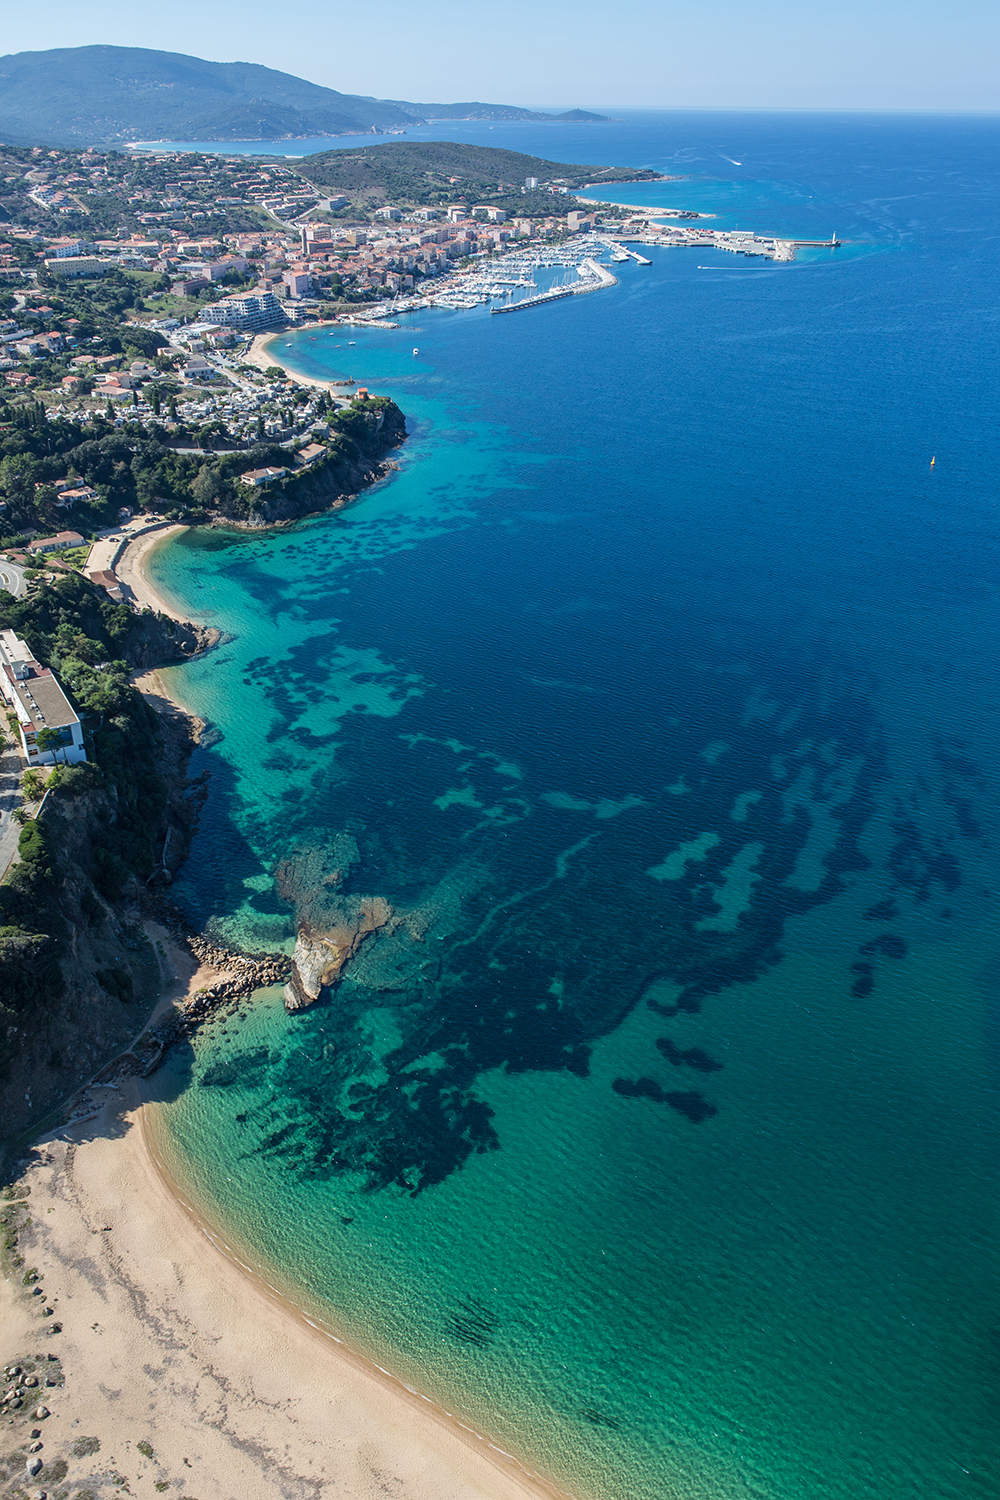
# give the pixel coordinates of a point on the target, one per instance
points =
(320, 956)
(332, 925)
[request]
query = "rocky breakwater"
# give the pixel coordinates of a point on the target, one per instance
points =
(332, 923)
(244, 973)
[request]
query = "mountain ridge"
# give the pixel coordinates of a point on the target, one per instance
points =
(104, 95)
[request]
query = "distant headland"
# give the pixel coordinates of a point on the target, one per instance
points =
(102, 96)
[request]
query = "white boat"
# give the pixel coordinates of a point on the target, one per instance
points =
(416, 351)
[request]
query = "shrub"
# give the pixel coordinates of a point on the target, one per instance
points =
(110, 873)
(32, 846)
(117, 982)
(32, 786)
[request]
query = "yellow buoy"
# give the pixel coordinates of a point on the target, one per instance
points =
(933, 461)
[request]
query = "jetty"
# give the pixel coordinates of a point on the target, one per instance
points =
(554, 296)
(592, 278)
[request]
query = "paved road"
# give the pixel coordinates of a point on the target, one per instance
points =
(12, 578)
(10, 797)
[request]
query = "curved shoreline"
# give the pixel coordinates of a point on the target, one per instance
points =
(261, 355)
(188, 1227)
(523, 1481)
(187, 1366)
(132, 570)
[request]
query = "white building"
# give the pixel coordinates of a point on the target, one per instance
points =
(76, 265)
(256, 477)
(250, 310)
(39, 702)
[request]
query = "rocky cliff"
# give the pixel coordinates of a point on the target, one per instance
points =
(78, 974)
(332, 923)
(364, 436)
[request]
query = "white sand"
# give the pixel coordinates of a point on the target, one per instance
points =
(166, 1341)
(131, 570)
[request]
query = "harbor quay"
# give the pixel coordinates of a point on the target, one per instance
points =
(532, 276)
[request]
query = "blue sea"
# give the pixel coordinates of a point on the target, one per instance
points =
(657, 693)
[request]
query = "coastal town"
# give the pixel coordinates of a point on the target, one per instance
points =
(208, 290)
(148, 302)
(170, 331)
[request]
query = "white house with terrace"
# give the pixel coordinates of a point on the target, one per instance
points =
(39, 703)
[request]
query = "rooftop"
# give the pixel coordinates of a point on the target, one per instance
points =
(43, 703)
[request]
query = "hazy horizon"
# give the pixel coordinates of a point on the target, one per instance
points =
(727, 54)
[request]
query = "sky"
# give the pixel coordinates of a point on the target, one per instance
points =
(777, 54)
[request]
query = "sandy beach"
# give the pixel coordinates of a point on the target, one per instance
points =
(131, 571)
(264, 354)
(173, 1366)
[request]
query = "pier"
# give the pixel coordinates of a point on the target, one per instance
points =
(592, 278)
(553, 296)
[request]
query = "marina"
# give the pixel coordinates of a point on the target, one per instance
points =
(532, 275)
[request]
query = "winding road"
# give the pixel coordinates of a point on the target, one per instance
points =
(12, 578)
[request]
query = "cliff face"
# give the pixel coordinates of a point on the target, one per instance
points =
(78, 975)
(157, 641)
(85, 986)
(358, 458)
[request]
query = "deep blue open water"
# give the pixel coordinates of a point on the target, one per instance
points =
(658, 694)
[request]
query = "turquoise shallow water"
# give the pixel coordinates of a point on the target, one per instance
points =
(657, 693)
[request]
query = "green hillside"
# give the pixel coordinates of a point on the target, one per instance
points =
(433, 172)
(82, 96)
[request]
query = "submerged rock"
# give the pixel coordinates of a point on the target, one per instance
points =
(321, 953)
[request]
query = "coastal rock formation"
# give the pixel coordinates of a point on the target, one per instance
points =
(78, 973)
(320, 956)
(331, 925)
(356, 459)
(156, 640)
